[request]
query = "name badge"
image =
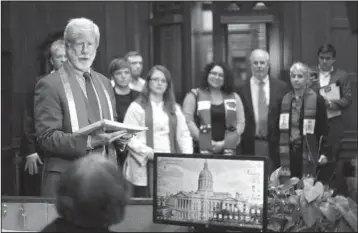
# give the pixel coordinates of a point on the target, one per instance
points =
(284, 118)
(230, 105)
(202, 105)
(308, 126)
(327, 89)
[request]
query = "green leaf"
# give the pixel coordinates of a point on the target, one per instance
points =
(309, 212)
(275, 177)
(274, 226)
(349, 216)
(290, 183)
(312, 193)
(296, 215)
(293, 200)
(308, 182)
(328, 211)
(343, 226)
(299, 192)
(326, 195)
(342, 201)
(288, 226)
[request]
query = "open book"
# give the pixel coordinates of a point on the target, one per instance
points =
(110, 126)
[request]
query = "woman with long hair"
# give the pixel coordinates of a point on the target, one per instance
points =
(167, 132)
(214, 112)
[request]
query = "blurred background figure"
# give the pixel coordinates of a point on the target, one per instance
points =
(91, 196)
(58, 54)
(214, 113)
(31, 177)
(326, 74)
(136, 61)
(119, 69)
(167, 132)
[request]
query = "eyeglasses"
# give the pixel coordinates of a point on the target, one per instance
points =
(158, 80)
(81, 45)
(218, 75)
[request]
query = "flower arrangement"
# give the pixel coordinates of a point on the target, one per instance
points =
(307, 205)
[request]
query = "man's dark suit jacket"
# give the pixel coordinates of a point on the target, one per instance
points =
(336, 128)
(336, 124)
(53, 123)
(28, 140)
(30, 185)
(278, 89)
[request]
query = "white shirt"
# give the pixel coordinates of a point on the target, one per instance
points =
(324, 78)
(254, 85)
(138, 85)
(135, 169)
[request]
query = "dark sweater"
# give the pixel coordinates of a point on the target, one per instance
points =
(123, 102)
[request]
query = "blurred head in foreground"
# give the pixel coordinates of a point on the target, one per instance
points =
(92, 193)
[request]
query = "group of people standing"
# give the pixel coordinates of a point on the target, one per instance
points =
(287, 123)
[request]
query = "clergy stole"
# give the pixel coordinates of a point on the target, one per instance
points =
(204, 115)
(174, 147)
(309, 141)
(79, 112)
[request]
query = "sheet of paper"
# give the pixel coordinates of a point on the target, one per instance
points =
(331, 92)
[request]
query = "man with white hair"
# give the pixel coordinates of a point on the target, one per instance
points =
(261, 96)
(69, 99)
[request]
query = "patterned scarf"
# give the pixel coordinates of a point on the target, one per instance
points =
(309, 141)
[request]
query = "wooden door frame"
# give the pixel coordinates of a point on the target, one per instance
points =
(271, 17)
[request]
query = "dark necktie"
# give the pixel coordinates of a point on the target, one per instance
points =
(262, 111)
(92, 106)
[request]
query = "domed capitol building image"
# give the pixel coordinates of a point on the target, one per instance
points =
(205, 205)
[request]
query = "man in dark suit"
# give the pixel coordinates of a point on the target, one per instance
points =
(324, 75)
(69, 99)
(261, 96)
(31, 177)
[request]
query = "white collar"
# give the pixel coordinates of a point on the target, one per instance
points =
(325, 73)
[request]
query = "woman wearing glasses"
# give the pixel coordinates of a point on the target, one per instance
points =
(156, 109)
(214, 113)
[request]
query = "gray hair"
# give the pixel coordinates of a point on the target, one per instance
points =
(55, 45)
(258, 51)
(301, 67)
(77, 26)
(92, 192)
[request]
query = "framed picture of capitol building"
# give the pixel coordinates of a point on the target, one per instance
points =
(209, 190)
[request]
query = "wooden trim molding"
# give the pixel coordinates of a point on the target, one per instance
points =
(26, 199)
(167, 19)
(243, 19)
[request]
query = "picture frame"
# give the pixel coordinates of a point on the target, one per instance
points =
(211, 191)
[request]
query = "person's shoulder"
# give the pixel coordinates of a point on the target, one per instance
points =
(277, 81)
(134, 93)
(243, 85)
(102, 77)
(51, 80)
(340, 72)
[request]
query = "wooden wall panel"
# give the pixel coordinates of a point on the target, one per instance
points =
(171, 54)
(326, 22)
(314, 29)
